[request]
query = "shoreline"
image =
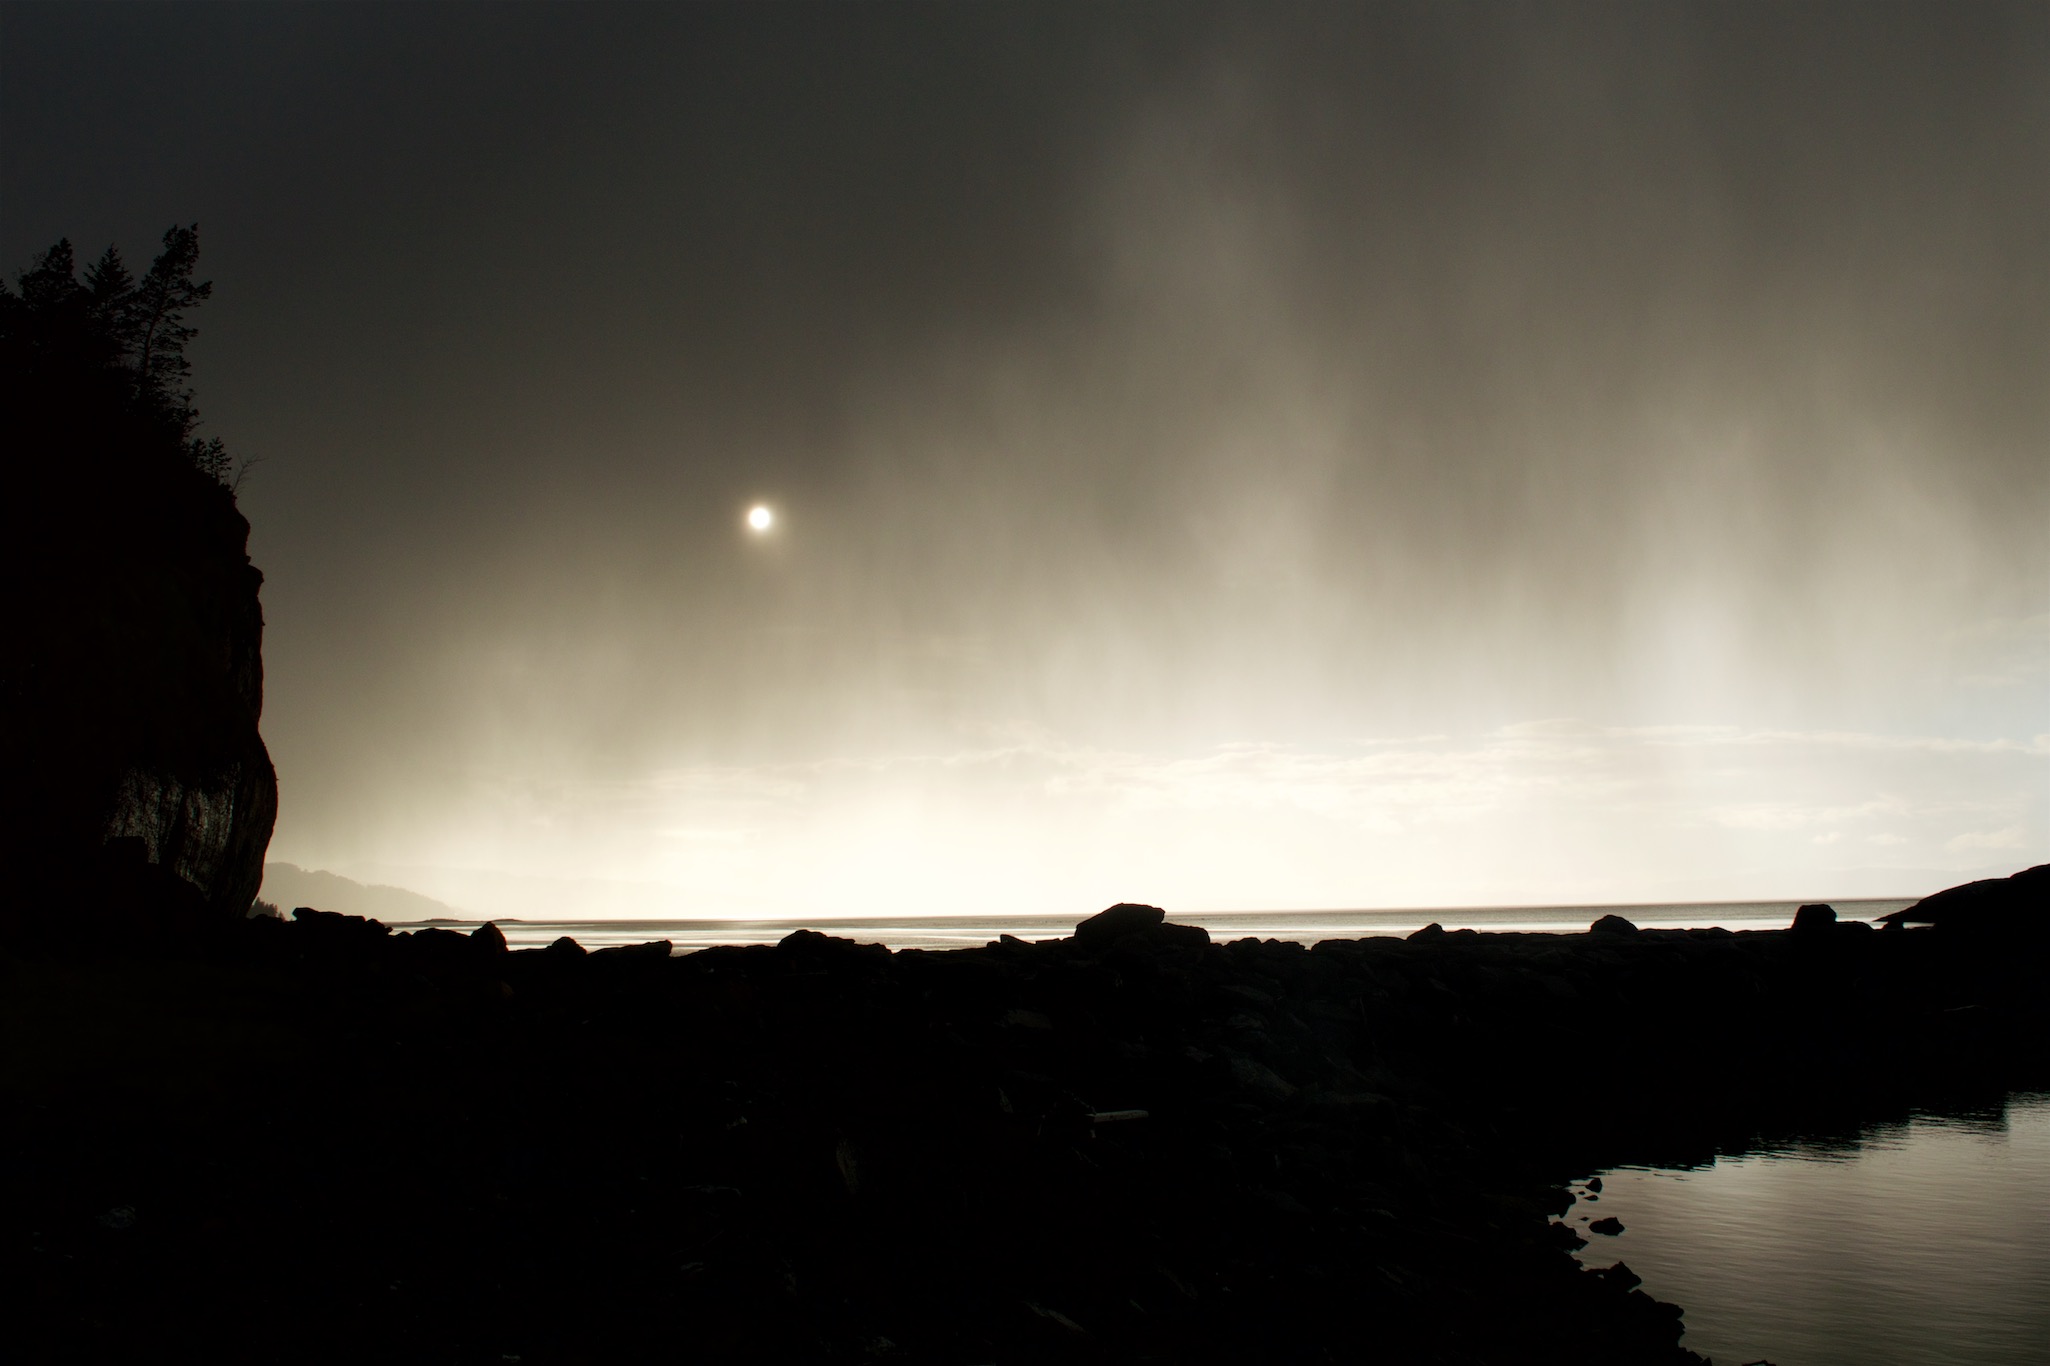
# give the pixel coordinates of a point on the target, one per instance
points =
(1129, 1144)
(689, 934)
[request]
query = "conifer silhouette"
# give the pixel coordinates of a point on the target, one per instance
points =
(115, 340)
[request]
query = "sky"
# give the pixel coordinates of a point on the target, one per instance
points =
(1223, 456)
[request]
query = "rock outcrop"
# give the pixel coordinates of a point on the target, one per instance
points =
(131, 702)
(1994, 905)
(132, 682)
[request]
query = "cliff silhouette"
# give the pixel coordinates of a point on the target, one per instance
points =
(131, 690)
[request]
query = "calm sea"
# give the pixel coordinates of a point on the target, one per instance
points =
(1306, 927)
(1925, 1243)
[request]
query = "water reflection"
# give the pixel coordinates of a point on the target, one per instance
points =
(1924, 1242)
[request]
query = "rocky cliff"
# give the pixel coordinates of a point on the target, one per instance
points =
(132, 679)
(133, 689)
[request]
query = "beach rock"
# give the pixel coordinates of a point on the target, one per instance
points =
(438, 947)
(1610, 1226)
(1108, 926)
(1620, 1276)
(328, 932)
(651, 951)
(809, 946)
(488, 938)
(1612, 924)
(1815, 919)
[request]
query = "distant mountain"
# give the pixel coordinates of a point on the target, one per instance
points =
(287, 886)
(501, 896)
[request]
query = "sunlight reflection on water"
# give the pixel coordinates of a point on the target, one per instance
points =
(1924, 1243)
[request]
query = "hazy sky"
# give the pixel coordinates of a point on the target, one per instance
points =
(1225, 456)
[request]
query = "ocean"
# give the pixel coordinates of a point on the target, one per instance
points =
(1303, 927)
(1916, 1243)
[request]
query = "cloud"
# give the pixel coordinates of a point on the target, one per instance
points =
(2001, 652)
(1788, 816)
(2011, 837)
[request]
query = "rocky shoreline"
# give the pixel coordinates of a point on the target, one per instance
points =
(304, 1140)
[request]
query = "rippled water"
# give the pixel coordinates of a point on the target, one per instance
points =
(1923, 1244)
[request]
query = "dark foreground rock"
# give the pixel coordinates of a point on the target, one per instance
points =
(314, 1140)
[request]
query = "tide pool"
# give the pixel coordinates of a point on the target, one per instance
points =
(1923, 1243)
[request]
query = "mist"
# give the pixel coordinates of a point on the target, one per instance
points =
(1223, 456)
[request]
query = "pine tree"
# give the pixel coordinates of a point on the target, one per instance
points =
(109, 301)
(155, 318)
(122, 339)
(51, 284)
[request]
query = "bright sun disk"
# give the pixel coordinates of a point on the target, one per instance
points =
(760, 518)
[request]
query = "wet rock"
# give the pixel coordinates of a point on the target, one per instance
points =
(1620, 1276)
(1610, 1226)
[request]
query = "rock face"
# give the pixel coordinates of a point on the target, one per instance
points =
(132, 681)
(1999, 905)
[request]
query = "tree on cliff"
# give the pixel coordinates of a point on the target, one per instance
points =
(132, 685)
(113, 342)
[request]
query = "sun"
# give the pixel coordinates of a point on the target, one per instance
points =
(759, 518)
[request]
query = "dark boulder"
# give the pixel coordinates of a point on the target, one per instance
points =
(1610, 1226)
(811, 947)
(1612, 924)
(1107, 927)
(1816, 919)
(438, 946)
(334, 935)
(1620, 1275)
(653, 951)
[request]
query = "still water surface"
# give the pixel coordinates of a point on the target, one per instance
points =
(1925, 1243)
